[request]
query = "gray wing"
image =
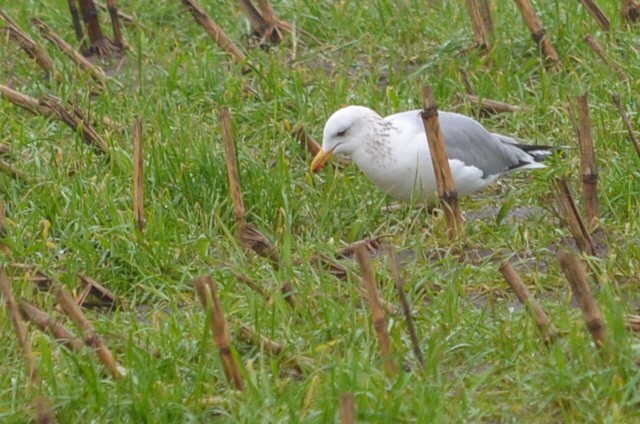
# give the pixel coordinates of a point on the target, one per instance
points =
(468, 141)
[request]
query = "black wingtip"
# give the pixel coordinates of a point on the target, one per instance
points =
(539, 153)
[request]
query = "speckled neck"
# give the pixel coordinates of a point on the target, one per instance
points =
(376, 149)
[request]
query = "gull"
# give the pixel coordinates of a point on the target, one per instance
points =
(394, 154)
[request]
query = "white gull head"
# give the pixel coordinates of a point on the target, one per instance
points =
(349, 129)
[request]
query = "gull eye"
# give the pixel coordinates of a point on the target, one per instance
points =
(341, 132)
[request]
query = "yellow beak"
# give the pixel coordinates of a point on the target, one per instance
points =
(321, 158)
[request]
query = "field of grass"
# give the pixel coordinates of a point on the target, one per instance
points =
(484, 360)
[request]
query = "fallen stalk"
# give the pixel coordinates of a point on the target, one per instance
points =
(10, 170)
(538, 32)
(33, 49)
(574, 220)
(214, 30)
(597, 14)
(48, 33)
(253, 286)
(252, 238)
(548, 331)
(20, 328)
(208, 293)
(602, 54)
(77, 121)
(50, 106)
(372, 244)
(309, 144)
(489, 107)
(306, 141)
(625, 119)
(379, 321)
(577, 277)
(331, 265)
(47, 324)
(411, 328)
(44, 413)
(89, 334)
(272, 348)
(24, 101)
(98, 290)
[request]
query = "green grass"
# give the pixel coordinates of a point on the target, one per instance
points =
(484, 359)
